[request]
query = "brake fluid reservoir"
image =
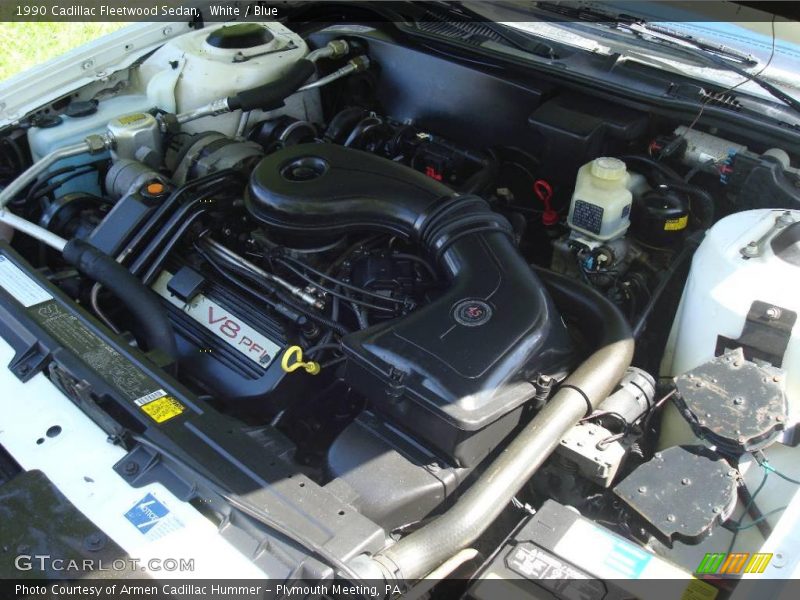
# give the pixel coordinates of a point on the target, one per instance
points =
(216, 62)
(601, 203)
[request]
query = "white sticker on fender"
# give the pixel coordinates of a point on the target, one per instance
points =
(222, 323)
(24, 289)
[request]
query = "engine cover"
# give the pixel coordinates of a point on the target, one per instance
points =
(225, 343)
(455, 373)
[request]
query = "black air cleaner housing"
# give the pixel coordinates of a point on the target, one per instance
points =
(454, 373)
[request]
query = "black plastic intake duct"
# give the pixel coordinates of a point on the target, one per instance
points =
(456, 372)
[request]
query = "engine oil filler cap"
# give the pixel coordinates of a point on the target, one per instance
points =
(681, 493)
(734, 403)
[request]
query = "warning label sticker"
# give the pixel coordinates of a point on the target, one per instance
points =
(676, 224)
(163, 409)
(24, 289)
(106, 361)
(149, 397)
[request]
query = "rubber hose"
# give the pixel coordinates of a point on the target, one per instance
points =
(270, 96)
(705, 200)
(481, 179)
(423, 550)
(342, 124)
(586, 305)
(153, 325)
(660, 167)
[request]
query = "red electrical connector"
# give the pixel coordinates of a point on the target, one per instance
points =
(431, 172)
(544, 192)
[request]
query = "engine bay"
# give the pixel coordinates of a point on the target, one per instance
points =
(338, 281)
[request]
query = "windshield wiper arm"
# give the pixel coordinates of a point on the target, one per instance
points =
(511, 37)
(720, 50)
(692, 48)
(595, 15)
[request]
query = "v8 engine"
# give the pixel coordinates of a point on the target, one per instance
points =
(370, 323)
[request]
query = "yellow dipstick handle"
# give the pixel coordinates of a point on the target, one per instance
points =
(311, 367)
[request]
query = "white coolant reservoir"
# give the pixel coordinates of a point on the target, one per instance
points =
(601, 203)
(216, 62)
(747, 257)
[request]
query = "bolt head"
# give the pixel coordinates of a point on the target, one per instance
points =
(750, 250)
(94, 541)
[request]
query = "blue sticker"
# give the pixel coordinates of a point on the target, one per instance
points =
(146, 513)
(627, 560)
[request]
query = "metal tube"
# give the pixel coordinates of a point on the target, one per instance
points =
(33, 230)
(359, 63)
(227, 254)
(415, 555)
(240, 128)
(31, 173)
(217, 107)
(332, 49)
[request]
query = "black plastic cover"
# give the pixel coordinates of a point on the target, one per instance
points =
(185, 284)
(455, 372)
(734, 403)
(413, 481)
(681, 493)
